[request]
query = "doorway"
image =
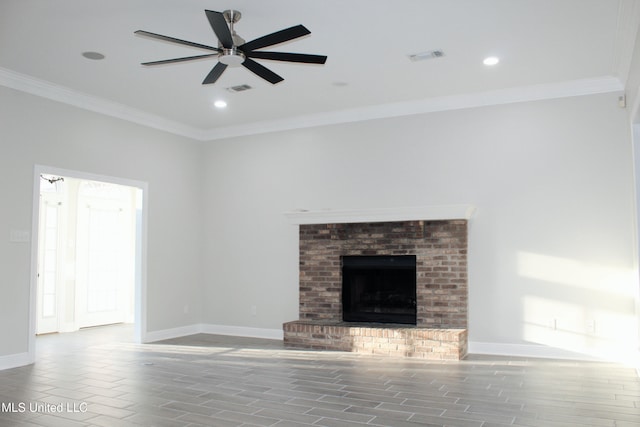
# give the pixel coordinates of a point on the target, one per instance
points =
(88, 258)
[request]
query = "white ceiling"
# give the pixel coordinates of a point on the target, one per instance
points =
(547, 48)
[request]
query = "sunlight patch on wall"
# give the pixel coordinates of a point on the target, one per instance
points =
(576, 273)
(580, 307)
(604, 335)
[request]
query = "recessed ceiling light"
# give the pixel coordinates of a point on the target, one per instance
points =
(96, 56)
(220, 104)
(491, 60)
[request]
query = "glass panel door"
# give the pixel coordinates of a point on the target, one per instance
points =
(105, 254)
(48, 266)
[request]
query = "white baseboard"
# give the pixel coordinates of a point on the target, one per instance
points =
(199, 328)
(166, 334)
(625, 356)
(243, 331)
(16, 360)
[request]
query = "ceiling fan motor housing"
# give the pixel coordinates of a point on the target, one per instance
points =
(231, 57)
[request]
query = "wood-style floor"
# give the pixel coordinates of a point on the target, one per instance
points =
(99, 377)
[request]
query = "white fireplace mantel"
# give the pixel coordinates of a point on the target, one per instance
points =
(415, 213)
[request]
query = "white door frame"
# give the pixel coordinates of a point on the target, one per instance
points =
(140, 305)
(635, 146)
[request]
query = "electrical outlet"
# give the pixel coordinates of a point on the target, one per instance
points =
(591, 326)
(254, 310)
(186, 309)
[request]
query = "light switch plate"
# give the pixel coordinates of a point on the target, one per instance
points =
(20, 236)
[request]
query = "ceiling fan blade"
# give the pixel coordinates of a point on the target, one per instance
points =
(289, 57)
(174, 40)
(275, 38)
(186, 58)
(261, 71)
(220, 27)
(215, 73)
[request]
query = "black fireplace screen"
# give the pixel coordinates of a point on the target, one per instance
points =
(379, 289)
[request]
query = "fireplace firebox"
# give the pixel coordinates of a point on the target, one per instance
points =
(379, 289)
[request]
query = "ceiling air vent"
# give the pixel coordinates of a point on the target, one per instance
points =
(239, 88)
(429, 54)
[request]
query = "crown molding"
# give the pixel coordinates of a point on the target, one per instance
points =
(65, 95)
(539, 92)
(34, 86)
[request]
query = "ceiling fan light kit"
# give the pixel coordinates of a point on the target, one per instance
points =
(233, 51)
(231, 57)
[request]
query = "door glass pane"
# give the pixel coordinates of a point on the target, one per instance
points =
(49, 269)
(49, 283)
(103, 260)
(52, 217)
(49, 305)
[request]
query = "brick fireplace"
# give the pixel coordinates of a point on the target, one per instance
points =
(440, 250)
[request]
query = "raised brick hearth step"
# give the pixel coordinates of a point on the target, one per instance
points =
(383, 339)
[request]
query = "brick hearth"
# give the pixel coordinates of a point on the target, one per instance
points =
(383, 339)
(440, 248)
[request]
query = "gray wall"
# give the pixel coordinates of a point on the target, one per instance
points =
(33, 131)
(551, 244)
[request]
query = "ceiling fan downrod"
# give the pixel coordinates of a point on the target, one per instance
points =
(232, 56)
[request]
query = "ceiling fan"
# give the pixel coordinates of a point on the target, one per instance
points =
(233, 51)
